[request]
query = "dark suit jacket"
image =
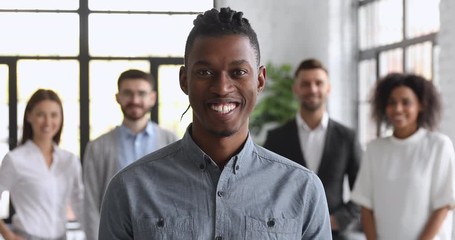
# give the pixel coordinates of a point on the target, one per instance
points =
(341, 156)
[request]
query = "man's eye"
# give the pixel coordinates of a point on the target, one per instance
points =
(127, 93)
(239, 72)
(142, 94)
(204, 73)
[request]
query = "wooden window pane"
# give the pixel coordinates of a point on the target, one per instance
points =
(419, 59)
(39, 34)
(380, 23)
(390, 61)
(127, 35)
(422, 17)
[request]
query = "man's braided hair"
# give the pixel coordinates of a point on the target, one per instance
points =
(214, 23)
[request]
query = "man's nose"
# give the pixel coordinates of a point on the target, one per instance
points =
(313, 88)
(222, 84)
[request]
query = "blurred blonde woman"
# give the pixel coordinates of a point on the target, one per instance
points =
(42, 178)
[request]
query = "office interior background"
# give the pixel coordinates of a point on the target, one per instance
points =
(79, 47)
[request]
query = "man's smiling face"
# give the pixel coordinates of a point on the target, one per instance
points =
(222, 80)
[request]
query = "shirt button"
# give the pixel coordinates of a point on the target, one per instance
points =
(220, 193)
(271, 223)
(160, 223)
(202, 166)
(237, 167)
(218, 238)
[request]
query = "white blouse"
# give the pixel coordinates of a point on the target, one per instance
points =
(41, 194)
(404, 181)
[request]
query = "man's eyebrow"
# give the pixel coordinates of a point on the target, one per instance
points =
(232, 63)
(239, 62)
(202, 62)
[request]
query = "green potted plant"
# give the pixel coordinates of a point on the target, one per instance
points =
(277, 103)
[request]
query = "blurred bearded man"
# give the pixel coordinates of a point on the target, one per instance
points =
(133, 139)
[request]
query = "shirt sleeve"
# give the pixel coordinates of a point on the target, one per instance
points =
(92, 194)
(317, 219)
(362, 194)
(443, 177)
(115, 222)
(8, 174)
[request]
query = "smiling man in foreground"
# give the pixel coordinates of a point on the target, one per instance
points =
(215, 183)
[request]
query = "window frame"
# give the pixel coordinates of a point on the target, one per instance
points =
(373, 53)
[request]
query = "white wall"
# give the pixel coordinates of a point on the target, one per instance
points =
(447, 66)
(291, 30)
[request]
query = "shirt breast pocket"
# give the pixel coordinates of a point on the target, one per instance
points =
(272, 228)
(165, 228)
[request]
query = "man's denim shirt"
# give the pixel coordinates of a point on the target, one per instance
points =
(178, 192)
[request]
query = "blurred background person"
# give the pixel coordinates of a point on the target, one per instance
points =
(321, 144)
(42, 178)
(114, 150)
(406, 183)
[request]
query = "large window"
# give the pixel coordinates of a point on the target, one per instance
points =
(394, 36)
(78, 48)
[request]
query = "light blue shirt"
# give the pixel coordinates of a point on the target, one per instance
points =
(178, 192)
(135, 146)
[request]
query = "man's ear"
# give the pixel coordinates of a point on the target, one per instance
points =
(117, 97)
(262, 77)
(183, 80)
(153, 98)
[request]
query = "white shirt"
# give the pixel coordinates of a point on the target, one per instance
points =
(41, 194)
(404, 181)
(312, 141)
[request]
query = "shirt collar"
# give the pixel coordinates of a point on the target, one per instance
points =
(55, 150)
(32, 144)
(201, 159)
(302, 124)
(124, 130)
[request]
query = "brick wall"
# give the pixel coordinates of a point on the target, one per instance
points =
(446, 80)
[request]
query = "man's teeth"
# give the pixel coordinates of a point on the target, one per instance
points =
(224, 108)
